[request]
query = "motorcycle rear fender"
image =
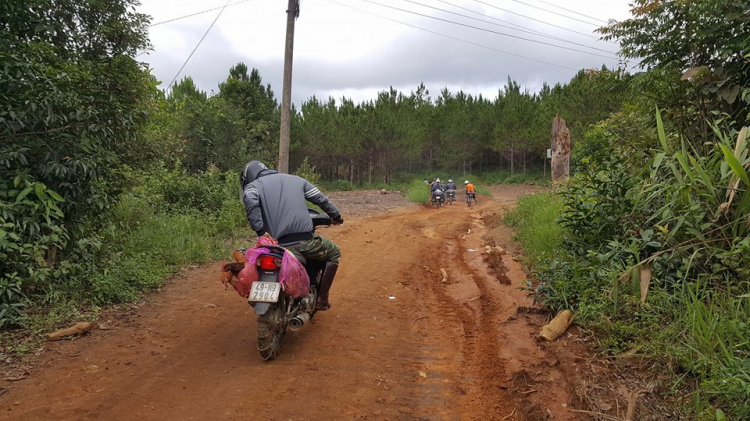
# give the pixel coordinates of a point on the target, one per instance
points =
(261, 308)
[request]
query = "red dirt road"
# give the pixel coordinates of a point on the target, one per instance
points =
(453, 350)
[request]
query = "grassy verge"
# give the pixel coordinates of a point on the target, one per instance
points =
(156, 228)
(694, 336)
(418, 192)
(535, 220)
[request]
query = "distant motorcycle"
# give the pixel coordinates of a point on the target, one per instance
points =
(450, 196)
(438, 198)
(471, 197)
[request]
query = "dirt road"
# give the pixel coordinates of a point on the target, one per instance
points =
(398, 344)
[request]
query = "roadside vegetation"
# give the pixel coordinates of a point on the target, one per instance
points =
(650, 245)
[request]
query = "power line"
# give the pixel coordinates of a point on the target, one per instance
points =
(537, 20)
(197, 13)
(509, 27)
(198, 45)
(486, 30)
(493, 18)
(451, 37)
(573, 11)
(557, 13)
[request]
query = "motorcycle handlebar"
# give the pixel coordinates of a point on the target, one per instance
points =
(319, 219)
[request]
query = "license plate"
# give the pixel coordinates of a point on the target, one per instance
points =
(264, 292)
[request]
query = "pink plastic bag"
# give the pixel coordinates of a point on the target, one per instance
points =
(292, 276)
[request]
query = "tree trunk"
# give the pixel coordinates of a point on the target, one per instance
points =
(560, 150)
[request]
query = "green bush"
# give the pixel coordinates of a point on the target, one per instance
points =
(594, 148)
(165, 220)
(308, 172)
(673, 220)
(417, 191)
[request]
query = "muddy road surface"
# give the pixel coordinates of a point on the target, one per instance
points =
(402, 341)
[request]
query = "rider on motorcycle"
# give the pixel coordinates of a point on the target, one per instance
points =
(276, 207)
(450, 186)
(436, 185)
(470, 190)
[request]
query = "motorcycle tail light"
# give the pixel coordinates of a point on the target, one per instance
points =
(268, 262)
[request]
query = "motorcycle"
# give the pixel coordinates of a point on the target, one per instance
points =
(437, 198)
(450, 196)
(276, 310)
(471, 197)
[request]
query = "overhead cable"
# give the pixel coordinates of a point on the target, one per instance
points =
(451, 37)
(573, 11)
(510, 27)
(486, 30)
(197, 13)
(556, 13)
(492, 17)
(536, 20)
(199, 44)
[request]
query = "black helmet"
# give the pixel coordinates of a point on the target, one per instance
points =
(251, 172)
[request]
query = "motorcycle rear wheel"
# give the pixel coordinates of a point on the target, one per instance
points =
(271, 333)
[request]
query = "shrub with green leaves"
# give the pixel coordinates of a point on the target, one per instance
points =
(657, 257)
(418, 192)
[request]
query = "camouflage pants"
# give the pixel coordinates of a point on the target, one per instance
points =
(318, 248)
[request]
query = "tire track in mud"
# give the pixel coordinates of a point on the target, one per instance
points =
(465, 301)
(502, 361)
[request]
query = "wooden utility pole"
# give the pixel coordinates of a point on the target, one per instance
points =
(292, 13)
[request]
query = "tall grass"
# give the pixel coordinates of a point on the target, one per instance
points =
(535, 220)
(418, 192)
(675, 221)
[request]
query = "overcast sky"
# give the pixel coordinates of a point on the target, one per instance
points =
(341, 51)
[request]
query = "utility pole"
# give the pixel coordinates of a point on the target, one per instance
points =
(292, 13)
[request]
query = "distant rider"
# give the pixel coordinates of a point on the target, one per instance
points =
(436, 185)
(276, 206)
(450, 186)
(471, 192)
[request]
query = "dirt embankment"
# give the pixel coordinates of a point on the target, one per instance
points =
(402, 341)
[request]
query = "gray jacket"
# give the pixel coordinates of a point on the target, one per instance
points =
(276, 204)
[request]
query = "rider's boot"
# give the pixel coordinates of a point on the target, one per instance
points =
(325, 286)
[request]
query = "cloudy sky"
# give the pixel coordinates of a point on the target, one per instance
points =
(355, 48)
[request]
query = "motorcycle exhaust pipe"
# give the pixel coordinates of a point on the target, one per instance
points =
(298, 321)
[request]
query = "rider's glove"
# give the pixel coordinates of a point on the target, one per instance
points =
(338, 220)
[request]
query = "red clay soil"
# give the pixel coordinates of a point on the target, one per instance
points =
(399, 343)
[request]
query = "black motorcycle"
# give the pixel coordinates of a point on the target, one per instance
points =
(450, 196)
(438, 199)
(471, 197)
(276, 310)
